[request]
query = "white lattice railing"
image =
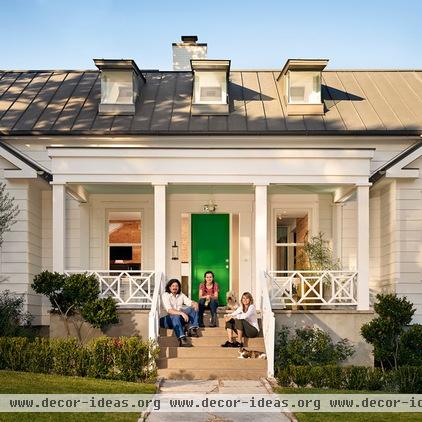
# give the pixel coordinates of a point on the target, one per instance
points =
(312, 288)
(268, 326)
(127, 288)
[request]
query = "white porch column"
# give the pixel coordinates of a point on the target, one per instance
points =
(84, 262)
(160, 228)
(338, 229)
(59, 219)
(260, 240)
(363, 247)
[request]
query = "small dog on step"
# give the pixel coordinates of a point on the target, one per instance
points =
(231, 300)
(251, 354)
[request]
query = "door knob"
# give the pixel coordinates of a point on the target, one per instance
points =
(227, 260)
(227, 266)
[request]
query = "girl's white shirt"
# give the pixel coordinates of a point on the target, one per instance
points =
(249, 315)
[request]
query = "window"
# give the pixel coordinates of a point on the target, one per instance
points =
(210, 88)
(304, 87)
(116, 87)
(120, 83)
(300, 81)
(124, 240)
(289, 238)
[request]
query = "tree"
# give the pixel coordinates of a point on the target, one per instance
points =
(8, 211)
(387, 331)
(318, 254)
(77, 296)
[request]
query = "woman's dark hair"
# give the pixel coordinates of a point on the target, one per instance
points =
(205, 281)
(249, 296)
(209, 272)
(170, 282)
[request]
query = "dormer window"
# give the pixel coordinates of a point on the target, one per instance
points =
(301, 81)
(120, 80)
(210, 87)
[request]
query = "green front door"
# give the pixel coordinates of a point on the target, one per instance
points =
(210, 251)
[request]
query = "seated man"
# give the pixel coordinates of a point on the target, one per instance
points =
(177, 314)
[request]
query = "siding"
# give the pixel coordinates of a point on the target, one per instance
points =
(21, 254)
(409, 226)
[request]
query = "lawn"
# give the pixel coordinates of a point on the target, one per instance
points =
(349, 417)
(23, 382)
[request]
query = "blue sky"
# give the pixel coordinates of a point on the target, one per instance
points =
(58, 34)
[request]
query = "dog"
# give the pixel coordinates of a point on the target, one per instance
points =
(231, 300)
(251, 354)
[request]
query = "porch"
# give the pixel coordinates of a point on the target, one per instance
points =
(168, 187)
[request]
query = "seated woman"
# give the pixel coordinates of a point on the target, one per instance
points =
(180, 311)
(243, 321)
(208, 297)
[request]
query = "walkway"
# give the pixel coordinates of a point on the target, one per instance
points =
(212, 387)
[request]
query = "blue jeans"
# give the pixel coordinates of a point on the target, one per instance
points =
(177, 322)
(213, 305)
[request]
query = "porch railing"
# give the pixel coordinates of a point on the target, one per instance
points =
(312, 288)
(127, 288)
(268, 326)
(154, 313)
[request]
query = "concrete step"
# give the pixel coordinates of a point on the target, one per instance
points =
(256, 343)
(208, 331)
(208, 352)
(210, 374)
(216, 363)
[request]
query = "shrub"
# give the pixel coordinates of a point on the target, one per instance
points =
(76, 294)
(406, 379)
(309, 346)
(411, 346)
(40, 356)
(122, 358)
(13, 320)
(128, 359)
(355, 377)
(386, 332)
(300, 375)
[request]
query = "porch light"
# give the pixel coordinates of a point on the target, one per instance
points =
(210, 207)
(175, 251)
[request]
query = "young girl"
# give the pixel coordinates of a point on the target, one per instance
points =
(243, 321)
(208, 297)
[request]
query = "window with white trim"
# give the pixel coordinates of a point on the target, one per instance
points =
(304, 87)
(124, 240)
(290, 234)
(210, 87)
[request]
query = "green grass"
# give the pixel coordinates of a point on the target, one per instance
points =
(24, 382)
(349, 417)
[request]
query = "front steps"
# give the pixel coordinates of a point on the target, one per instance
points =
(207, 359)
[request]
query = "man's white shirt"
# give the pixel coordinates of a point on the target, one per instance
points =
(170, 301)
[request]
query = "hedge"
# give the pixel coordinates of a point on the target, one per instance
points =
(124, 358)
(405, 379)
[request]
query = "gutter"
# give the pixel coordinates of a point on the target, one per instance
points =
(122, 133)
(41, 171)
(380, 173)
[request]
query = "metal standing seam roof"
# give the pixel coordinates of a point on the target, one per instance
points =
(372, 102)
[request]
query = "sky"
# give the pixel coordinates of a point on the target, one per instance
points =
(261, 34)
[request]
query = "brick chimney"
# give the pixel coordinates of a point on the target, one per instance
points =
(186, 50)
